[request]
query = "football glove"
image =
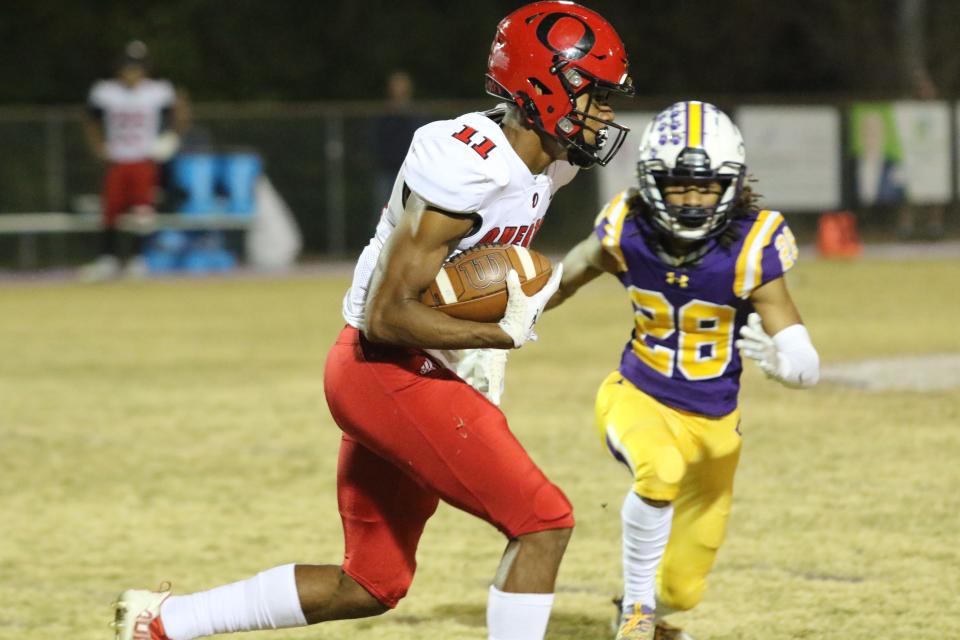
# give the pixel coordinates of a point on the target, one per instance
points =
(523, 311)
(483, 369)
(754, 343)
(789, 357)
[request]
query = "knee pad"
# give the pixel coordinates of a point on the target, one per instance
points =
(549, 509)
(660, 478)
(669, 465)
(551, 504)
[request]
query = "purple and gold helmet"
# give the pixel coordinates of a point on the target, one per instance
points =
(691, 141)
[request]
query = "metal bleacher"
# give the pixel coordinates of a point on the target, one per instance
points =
(26, 226)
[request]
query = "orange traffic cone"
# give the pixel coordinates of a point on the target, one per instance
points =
(837, 235)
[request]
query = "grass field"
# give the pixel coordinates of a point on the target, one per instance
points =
(177, 431)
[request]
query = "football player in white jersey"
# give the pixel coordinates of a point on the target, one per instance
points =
(131, 127)
(414, 433)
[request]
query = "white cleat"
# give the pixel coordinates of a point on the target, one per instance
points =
(137, 614)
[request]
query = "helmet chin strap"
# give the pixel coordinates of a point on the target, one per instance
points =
(585, 155)
(694, 218)
(709, 226)
(580, 158)
(578, 151)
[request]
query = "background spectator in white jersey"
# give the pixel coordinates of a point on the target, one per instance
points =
(131, 128)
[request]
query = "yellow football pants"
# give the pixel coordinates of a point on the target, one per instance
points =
(686, 458)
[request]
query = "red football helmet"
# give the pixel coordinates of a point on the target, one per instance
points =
(545, 55)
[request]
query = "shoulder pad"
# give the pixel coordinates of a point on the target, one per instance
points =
(454, 167)
(768, 251)
(164, 88)
(609, 225)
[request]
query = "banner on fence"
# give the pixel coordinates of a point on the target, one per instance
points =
(794, 152)
(924, 130)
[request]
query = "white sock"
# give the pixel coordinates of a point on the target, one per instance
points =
(646, 530)
(268, 600)
(517, 616)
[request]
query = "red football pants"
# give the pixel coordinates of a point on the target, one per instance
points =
(415, 433)
(126, 185)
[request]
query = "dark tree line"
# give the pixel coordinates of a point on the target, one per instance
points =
(293, 50)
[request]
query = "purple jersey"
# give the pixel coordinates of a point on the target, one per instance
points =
(681, 351)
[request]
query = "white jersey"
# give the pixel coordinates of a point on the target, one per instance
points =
(465, 165)
(131, 115)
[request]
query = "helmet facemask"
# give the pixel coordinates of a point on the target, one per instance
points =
(571, 128)
(692, 168)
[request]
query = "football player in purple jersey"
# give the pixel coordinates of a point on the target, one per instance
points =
(702, 265)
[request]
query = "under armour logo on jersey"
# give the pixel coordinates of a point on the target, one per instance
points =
(681, 281)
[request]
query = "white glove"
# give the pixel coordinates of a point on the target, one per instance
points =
(754, 343)
(483, 369)
(788, 357)
(523, 311)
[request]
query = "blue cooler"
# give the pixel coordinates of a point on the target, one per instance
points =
(238, 180)
(194, 174)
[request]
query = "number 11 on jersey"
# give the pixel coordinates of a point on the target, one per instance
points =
(483, 148)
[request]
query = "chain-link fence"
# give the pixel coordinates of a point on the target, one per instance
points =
(322, 158)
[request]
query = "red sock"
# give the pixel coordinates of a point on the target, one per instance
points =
(157, 632)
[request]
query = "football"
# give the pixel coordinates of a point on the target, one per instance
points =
(473, 285)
